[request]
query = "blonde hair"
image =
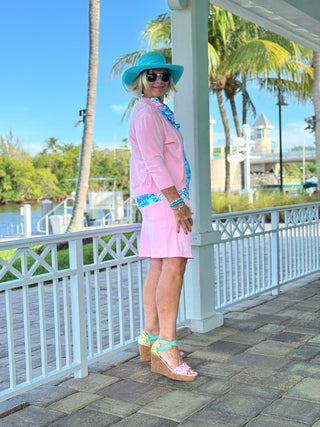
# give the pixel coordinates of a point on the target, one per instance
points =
(136, 88)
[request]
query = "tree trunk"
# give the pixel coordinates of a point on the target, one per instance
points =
(76, 223)
(235, 116)
(244, 104)
(227, 135)
(316, 105)
(239, 134)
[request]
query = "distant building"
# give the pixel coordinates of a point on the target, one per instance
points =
(262, 134)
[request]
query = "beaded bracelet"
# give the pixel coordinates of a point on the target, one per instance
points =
(177, 208)
(176, 202)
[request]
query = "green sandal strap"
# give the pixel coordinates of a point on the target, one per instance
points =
(167, 344)
(151, 337)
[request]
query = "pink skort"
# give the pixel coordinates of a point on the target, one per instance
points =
(159, 237)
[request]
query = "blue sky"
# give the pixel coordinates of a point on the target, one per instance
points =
(44, 65)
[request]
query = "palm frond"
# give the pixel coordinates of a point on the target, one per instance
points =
(129, 109)
(247, 100)
(299, 90)
(213, 60)
(158, 32)
(125, 61)
(259, 57)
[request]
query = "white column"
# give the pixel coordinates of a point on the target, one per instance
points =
(190, 49)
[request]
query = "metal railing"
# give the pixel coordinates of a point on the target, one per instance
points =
(70, 299)
(66, 211)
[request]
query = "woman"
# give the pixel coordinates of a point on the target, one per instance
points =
(160, 177)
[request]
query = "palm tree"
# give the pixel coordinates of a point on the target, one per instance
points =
(51, 144)
(237, 51)
(86, 147)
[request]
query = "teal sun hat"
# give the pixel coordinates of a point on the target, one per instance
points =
(151, 60)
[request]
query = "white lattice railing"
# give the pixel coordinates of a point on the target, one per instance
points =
(262, 250)
(56, 321)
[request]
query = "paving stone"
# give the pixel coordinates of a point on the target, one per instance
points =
(143, 375)
(239, 315)
(92, 383)
(218, 370)
(216, 387)
(176, 405)
(271, 318)
(133, 391)
(305, 369)
(270, 348)
(267, 378)
(302, 330)
(243, 405)
(270, 328)
(272, 307)
(259, 361)
(252, 390)
(128, 369)
(246, 337)
(116, 407)
(74, 402)
(315, 360)
(171, 385)
(145, 421)
(296, 410)
(86, 418)
(46, 394)
(246, 325)
(289, 337)
(114, 360)
(315, 340)
(199, 340)
(227, 347)
(207, 417)
(12, 405)
(207, 354)
(308, 305)
(31, 416)
(222, 331)
(308, 389)
(270, 421)
(305, 352)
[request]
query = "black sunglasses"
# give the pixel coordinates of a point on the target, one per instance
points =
(152, 77)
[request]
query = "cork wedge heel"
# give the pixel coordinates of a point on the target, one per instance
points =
(144, 342)
(160, 366)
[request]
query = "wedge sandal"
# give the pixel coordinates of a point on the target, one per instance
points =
(144, 342)
(160, 366)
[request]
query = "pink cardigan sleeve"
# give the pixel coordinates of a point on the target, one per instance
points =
(150, 136)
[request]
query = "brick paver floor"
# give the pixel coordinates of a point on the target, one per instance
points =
(261, 368)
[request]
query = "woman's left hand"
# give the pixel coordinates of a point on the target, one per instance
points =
(183, 217)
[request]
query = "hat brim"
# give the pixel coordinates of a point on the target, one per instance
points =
(132, 73)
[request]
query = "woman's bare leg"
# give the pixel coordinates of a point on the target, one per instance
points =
(167, 299)
(149, 297)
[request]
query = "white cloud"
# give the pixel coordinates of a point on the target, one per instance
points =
(119, 109)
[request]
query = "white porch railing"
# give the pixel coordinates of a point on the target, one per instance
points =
(261, 250)
(56, 321)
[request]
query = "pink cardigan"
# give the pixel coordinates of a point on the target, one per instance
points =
(157, 160)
